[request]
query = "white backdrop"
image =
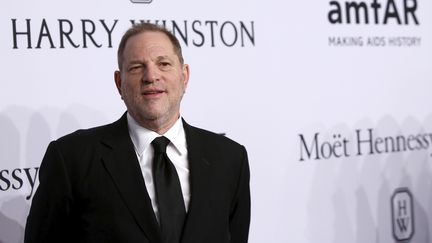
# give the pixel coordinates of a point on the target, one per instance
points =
(335, 114)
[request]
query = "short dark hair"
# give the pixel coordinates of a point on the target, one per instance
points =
(147, 27)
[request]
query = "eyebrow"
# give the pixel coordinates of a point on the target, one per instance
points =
(158, 58)
(135, 62)
(163, 57)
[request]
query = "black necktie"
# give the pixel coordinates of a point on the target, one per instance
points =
(169, 196)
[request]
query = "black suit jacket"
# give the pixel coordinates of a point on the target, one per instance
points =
(92, 190)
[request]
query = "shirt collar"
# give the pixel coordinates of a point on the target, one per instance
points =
(142, 137)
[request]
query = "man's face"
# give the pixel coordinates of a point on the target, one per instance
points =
(152, 80)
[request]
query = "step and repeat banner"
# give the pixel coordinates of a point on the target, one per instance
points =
(332, 99)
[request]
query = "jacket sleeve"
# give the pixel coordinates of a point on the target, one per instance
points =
(49, 213)
(240, 212)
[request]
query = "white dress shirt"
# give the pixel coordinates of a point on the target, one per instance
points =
(176, 151)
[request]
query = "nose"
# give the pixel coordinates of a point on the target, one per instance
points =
(151, 74)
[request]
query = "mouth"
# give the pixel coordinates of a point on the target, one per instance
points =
(153, 93)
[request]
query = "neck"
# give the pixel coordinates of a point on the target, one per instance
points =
(158, 125)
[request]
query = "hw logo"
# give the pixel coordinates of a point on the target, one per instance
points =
(141, 1)
(402, 214)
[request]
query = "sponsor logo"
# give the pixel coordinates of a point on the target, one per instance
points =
(141, 1)
(19, 179)
(91, 33)
(374, 12)
(402, 215)
(394, 15)
(362, 142)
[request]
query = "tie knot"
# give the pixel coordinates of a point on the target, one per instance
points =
(160, 144)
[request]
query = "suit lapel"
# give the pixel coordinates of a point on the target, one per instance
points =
(200, 174)
(122, 164)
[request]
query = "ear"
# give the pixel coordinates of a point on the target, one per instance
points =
(118, 82)
(186, 73)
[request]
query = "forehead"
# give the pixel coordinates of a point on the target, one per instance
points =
(149, 43)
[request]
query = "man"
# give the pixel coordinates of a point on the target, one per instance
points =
(117, 183)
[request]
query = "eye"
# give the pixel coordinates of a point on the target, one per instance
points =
(165, 65)
(135, 68)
